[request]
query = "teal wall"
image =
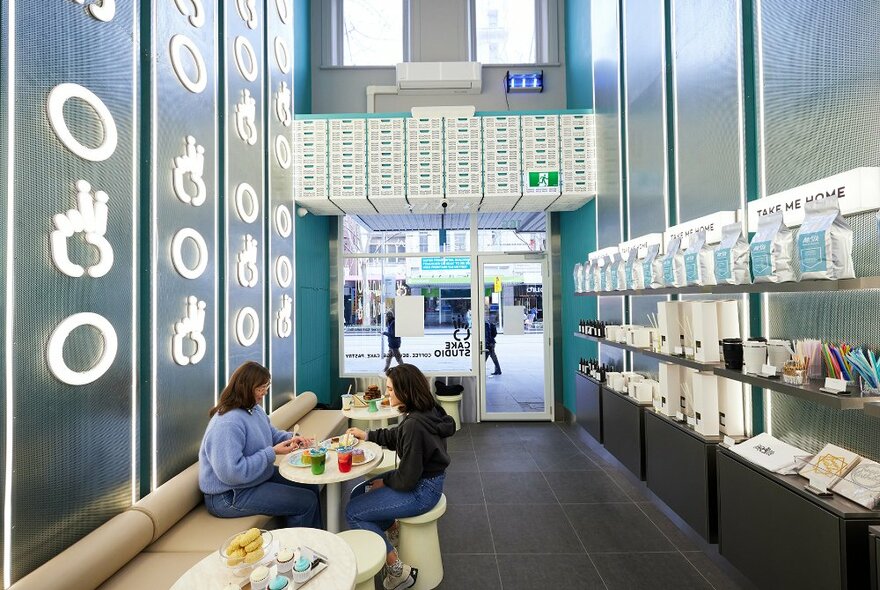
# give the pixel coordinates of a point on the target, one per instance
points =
(577, 229)
(312, 248)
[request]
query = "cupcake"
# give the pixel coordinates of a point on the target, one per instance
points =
(260, 577)
(286, 559)
(357, 456)
(302, 570)
(279, 583)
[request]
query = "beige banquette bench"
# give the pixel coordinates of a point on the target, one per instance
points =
(154, 542)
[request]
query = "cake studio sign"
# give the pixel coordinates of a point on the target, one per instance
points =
(856, 190)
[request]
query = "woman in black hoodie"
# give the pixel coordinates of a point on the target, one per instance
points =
(415, 486)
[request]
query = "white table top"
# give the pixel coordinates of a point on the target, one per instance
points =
(384, 413)
(331, 470)
(211, 574)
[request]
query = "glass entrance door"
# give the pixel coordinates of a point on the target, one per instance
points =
(515, 377)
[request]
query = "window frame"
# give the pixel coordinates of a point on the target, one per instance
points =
(333, 44)
(546, 36)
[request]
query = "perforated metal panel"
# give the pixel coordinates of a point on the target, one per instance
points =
(4, 177)
(645, 76)
(821, 74)
(245, 299)
(280, 230)
(72, 443)
(184, 383)
(708, 144)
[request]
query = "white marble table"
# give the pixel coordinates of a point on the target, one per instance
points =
(376, 419)
(332, 477)
(211, 574)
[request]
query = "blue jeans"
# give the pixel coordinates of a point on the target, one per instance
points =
(299, 504)
(376, 511)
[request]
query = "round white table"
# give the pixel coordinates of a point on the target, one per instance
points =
(332, 477)
(341, 572)
(376, 419)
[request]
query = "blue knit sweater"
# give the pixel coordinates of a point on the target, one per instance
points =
(237, 450)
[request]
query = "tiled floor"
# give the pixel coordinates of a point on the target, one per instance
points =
(534, 506)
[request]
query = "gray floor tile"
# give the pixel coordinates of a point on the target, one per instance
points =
(519, 528)
(506, 460)
(463, 487)
(657, 571)
(720, 579)
(679, 538)
(584, 487)
(465, 529)
(462, 461)
(529, 572)
(516, 488)
(459, 443)
(615, 527)
(636, 490)
(563, 460)
(467, 572)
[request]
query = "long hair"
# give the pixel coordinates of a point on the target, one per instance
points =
(239, 392)
(411, 388)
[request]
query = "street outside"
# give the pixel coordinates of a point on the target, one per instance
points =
(519, 388)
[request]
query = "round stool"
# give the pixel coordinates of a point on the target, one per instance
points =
(369, 549)
(420, 545)
(450, 404)
(388, 463)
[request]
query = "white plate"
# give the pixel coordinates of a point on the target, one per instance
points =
(368, 457)
(328, 444)
(295, 459)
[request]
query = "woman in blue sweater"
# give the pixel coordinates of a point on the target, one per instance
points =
(237, 470)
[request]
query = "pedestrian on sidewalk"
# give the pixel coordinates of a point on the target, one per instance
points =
(490, 333)
(393, 342)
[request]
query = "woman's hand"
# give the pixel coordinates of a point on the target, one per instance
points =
(357, 433)
(377, 484)
(285, 447)
(301, 442)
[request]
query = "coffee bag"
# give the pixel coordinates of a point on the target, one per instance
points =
(825, 242)
(731, 257)
(771, 251)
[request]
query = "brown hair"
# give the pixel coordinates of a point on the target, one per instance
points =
(411, 388)
(239, 392)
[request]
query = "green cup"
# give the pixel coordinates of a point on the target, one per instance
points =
(319, 459)
(374, 406)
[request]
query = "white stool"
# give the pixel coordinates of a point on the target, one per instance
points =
(388, 463)
(450, 404)
(369, 550)
(420, 545)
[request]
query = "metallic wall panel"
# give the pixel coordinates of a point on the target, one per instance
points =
(644, 66)
(244, 160)
(820, 110)
(819, 116)
(73, 447)
(5, 165)
(606, 104)
(707, 72)
(280, 228)
(183, 393)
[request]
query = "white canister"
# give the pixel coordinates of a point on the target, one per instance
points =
(754, 356)
(778, 353)
(616, 382)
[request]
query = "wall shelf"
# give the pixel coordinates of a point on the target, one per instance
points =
(809, 392)
(791, 287)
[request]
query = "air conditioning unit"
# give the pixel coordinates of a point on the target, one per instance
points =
(440, 77)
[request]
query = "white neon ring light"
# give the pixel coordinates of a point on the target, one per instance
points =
(282, 151)
(283, 221)
(244, 314)
(242, 44)
(179, 42)
(197, 18)
(242, 191)
(177, 253)
(55, 109)
(282, 55)
(283, 7)
(55, 349)
(283, 271)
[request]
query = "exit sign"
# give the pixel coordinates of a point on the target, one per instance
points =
(543, 179)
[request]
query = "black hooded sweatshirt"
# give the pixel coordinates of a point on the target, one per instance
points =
(420, 442)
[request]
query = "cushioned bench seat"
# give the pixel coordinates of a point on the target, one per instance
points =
(168, 531)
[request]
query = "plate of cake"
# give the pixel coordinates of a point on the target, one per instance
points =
(361, 456)
(334, 442)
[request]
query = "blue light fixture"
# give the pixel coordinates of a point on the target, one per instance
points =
(524, 82)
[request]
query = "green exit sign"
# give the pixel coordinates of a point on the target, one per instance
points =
(539, 179)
